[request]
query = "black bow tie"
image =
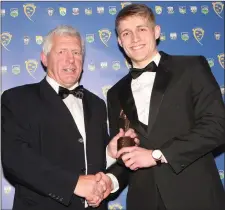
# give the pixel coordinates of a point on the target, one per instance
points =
(135, 73)
(77, 92)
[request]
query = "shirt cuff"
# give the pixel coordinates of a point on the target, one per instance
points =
(163, 159)
(114, 182)
(109, 159)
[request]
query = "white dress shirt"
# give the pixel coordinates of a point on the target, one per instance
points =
(142, 90)
(75, 106)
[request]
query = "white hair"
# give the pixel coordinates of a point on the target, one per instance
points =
(61, 31)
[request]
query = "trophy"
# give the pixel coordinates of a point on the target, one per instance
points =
(124, 141)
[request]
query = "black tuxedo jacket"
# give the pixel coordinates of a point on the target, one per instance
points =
(186, 122)
(42, 149)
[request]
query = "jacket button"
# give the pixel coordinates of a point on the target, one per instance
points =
(82, 200)
(81, 140)
(83, 170)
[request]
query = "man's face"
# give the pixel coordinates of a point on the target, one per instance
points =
(138, 37)
(64, 61)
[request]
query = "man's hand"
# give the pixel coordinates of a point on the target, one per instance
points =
(112, 146)
(136, 157)
(106, 184)
(88, 187)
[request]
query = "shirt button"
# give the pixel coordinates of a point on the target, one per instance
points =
(81, 140)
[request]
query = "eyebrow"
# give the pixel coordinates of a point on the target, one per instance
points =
(139, 26)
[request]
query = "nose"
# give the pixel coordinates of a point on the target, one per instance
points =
(136, 37)
(70, 57)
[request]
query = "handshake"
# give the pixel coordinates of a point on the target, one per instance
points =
(94, 188)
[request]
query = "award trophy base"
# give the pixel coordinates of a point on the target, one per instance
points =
(125, 141)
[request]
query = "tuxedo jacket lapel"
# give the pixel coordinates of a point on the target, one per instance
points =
(162, 79)
(127, 103)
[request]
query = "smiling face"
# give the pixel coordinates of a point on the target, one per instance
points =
(137, 36)
(65, 59)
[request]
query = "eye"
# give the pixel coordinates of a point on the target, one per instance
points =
(142, 29)
(125, 34)
(61, 52)
(77, 53)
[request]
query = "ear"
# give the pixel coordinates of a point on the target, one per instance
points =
(119, 41)
(157, 30)
(44, 59)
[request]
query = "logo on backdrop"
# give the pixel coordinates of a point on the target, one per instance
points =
(173, 35)
(158, 10)
(50, 11)
(104, 35)
(91, 66)
(105, 90)
(210, 62)
(31, 66)
(198, 34)
(128, 65)
(16, 69)
(182, 10)
(62, 11)
(170, 10)
(29, 10)
(184, 36)
(162, 36)
(221, 59)
(115, 206)
(2, 12)
(39, 40)
(90, 38)
(4, 69)
(193, 9)
(88, 11)
(103, 64)
(205, 9)
(218, 8)
(76, 11)
(116, 65)
(217, 35)
(112, 10)
(124, 4)
(100, 10)
(5, 40)
(14, 12)
(7, 189)
(222, 88)
(221, 173)
(26, 40)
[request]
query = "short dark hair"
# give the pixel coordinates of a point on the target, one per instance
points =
(135, 10)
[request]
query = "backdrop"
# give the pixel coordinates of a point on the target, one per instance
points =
(188, 28)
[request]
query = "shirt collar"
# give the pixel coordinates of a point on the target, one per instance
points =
(156, 59)
(55, 85)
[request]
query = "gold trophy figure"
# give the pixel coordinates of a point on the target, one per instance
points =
(124, 141)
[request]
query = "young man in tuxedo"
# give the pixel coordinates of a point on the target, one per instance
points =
(54, 134)
(175, 105)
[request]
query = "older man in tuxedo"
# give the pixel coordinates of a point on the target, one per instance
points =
(54, 134)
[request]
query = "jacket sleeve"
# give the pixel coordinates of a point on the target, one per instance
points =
(23, 164)
(208, 131)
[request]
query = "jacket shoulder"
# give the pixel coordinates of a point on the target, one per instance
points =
(21, 91)
(116, 87)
